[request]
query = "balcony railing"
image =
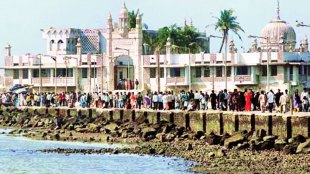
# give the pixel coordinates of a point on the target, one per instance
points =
(175, 80)
(50, 81)
(246, 79)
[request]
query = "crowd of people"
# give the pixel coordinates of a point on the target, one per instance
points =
(237, 100)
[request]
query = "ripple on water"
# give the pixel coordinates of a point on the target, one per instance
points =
(17, 156)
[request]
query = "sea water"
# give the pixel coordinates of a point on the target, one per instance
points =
(18, 155)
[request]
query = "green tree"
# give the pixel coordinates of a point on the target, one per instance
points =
(227, 22)
(132, 15)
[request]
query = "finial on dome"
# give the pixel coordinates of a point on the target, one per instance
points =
(110, 15)
(278, 10)
(124, 5)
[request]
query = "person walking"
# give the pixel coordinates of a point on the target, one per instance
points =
(213, 100)
(262, 99)
(248, 97)
(270, 98)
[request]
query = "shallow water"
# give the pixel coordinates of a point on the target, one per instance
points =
(17, 156)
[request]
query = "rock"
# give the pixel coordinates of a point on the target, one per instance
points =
(40, 124)
(220, 153)
(297, 140)
(71, 127)
(199, 134)
(56, 136)
(170, 137)
(161, 137)
(115, 151)
(70, 134)
(141, 119)
(289, 149)
(94, 128)
(62, 131)
(189, 147)
(161, 152)
(111, 127)
(269, 138)
(265, 145)
(213, 139)
(234, 140)
(91, 139)
(280, 143)
(167, 129)
(148, 132)
(152, 151)
(44, 134)
(211, 155)
(260, 133)
(243, 146)
(223, 138)
(304, 147)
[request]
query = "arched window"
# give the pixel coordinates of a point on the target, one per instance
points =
(51, 44)
(59, 45)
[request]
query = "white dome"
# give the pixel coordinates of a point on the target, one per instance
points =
(278, 31)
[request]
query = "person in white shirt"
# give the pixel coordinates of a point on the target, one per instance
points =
(197, 100)
(155, 100)
(160, 101)
(283, 101)
(305, 96)
(165, 101)
(270, 99)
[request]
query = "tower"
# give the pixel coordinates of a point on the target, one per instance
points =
(7, 49)
(123, 21)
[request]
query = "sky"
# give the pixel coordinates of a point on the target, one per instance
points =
(21, 20)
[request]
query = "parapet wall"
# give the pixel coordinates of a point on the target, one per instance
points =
(209, 121)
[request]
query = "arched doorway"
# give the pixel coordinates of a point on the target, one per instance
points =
(124, 73)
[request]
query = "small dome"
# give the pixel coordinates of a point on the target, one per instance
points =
(124, 12)
(278, 31)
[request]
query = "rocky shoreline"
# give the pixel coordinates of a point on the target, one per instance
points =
(242, 152)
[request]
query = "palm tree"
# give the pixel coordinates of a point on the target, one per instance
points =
(227, 22)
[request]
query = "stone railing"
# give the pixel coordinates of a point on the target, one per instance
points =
(175, 80)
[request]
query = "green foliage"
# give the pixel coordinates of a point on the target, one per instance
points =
(227, 22)
(183, 39)
(132, 18)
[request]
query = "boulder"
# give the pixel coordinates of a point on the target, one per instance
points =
(161, 137)
(297, 140)
(260, 133)
(56, 136)
(220, 153)
(289, 149)
(280, 143)
(111, 127)
(234, 140)
(270, 138)
(148, 133)
(211, 155)
(141, 119)
(199, 134)
(213, 139)
(93, 127)
(189, 147)
(304, 147)
(243, 146)
(170, 137)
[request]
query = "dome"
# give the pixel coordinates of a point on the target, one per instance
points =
(124, 12)
(277, 29)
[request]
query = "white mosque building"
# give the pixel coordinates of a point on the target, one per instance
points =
(96, 59)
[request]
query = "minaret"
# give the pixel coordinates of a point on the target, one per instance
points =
(79, 47)
(7, 49)
(110, 22)
(123, 20)
(138, 20)
(306, 45)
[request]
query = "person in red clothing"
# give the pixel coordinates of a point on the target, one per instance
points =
(133, 100)
(247, 97)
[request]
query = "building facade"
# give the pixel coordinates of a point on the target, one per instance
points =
(112, 59)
